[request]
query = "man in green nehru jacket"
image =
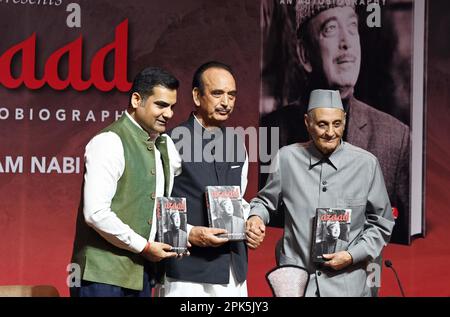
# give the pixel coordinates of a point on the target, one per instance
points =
(127, 165)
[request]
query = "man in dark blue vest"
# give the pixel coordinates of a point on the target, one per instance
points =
(210, 157)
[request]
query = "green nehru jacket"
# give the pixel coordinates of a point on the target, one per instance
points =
(133, 203)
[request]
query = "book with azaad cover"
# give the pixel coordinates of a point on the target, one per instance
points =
(224, 205)
(331, 232)
(172, 222)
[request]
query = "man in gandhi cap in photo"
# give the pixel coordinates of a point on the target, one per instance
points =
(327, 172)
(329, 52)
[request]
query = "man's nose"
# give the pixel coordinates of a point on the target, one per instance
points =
(330, 131)
(344, 38)
(168, 113)
(224, 100)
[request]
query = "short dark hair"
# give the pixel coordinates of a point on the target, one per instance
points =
(150, 77)
(197, 81)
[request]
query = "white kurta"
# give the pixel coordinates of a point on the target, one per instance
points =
(105, 164)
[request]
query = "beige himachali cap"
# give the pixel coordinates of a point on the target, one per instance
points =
(307, 9)
(322, 98)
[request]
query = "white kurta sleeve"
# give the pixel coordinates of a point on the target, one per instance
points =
(105, 163)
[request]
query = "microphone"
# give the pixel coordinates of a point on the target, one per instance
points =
(388, 263)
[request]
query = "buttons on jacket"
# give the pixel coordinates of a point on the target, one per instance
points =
(153, 195)
(153, 171)
(324, 189)
(319, 273)
(324, 183)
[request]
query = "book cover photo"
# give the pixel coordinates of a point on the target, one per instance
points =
(331, 232)
(172, 222)
(224, 205)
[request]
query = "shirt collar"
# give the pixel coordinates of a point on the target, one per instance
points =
(133, 121)
(316, 157)
(204, 130)
(198, 121)
(151, 137)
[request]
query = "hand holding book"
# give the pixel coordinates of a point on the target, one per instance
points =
(338, 261)
(157, 251)
(207, 237)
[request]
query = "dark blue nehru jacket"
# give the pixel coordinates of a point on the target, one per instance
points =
(207, 264)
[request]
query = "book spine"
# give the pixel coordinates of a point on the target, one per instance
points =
(208, 208)
(314, 239)
(317, 257)
(159, 220)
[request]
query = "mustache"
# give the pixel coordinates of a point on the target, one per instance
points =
(345, 58)
(220, 108)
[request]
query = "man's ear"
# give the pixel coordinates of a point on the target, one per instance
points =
(196, 96)
(306, 119)
(136, 100)
(303, 56)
